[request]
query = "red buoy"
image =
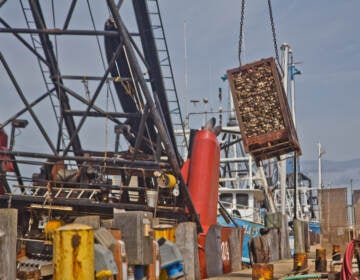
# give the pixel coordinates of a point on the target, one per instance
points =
(203, 176)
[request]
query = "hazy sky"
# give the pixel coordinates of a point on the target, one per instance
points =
(323, 35)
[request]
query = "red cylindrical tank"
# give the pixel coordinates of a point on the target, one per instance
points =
(3, 138)
(203, 180)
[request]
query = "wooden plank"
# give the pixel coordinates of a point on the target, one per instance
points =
(214, 264)
(284, 239)
(187, 242)
(273, 239)
(236, 240)
(8, 235)
(299, 242)
(91, 221)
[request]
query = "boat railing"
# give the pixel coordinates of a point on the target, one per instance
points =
(243, 211)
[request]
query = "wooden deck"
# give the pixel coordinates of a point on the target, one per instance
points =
(282, 269)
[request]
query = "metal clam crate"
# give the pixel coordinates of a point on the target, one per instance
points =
(263, 113)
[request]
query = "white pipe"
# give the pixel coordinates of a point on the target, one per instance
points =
(235, 159)
(292, 90)
(282, 164)
(267, 191)
(250, 174)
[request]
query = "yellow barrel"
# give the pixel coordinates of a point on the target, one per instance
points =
(300, 261)
(166, 231)
(264, 271)
(73, 253)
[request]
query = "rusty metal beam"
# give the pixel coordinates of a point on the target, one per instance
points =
(69, 14)
(112, 160)
(55, 72)
(32, 104)
(26, 103)
(26, 44)
(58, 32)
(154, 111)
(93, 99)
(104, 114)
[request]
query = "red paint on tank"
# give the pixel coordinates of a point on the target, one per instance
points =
(185, 170)
(203, 180)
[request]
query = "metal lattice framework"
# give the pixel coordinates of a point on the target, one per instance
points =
(95, 96)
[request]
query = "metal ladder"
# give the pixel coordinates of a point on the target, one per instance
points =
(45, 73)
(57, 192)
(167, 73)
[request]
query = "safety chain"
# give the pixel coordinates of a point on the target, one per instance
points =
(241, 29)
(274, 34)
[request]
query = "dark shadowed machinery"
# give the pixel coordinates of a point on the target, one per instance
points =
(95, 129)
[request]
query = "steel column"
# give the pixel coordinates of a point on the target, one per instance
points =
(69, 14)
(54, 71)
(154, 113)
(152, 58)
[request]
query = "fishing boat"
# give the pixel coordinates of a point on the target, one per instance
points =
(244, 206)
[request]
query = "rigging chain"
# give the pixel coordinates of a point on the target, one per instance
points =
(274, 35)
(272, 29)
(241, 29)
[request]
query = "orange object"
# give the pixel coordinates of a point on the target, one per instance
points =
(300, 261)
(202, 257)
(203, 180)
(336, 255)
(225, 249)
(185, 170)
(5, 160)
(155, 267)
(3, 138)
(263, 271)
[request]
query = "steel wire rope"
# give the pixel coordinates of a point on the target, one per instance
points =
(108, 91)
(241, 33)
(101, 52)
(138, 97)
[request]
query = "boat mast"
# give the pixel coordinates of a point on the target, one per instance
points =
(282, 163)
(293, 72)
(319, 166)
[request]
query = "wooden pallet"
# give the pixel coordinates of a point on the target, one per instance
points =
(262, 110)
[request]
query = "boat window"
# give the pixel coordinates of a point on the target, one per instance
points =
(236, 213)
(226, 199)
(242, 199)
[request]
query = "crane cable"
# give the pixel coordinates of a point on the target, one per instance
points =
(274, 35)
(241, 29)
(272, 29)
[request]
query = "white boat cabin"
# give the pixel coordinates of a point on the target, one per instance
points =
(246, 204)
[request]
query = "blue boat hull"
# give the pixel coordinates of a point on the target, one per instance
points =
(315, 227)
(251, 230)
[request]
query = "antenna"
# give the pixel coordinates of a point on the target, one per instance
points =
(186, 72)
